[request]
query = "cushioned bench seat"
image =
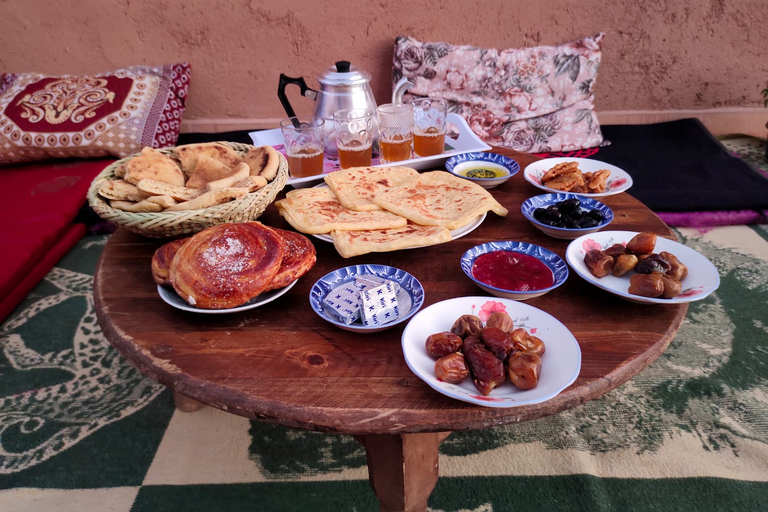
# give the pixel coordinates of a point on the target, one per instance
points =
(38, 206)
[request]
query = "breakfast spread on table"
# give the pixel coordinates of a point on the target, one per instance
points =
(369, 209)
(192, 177)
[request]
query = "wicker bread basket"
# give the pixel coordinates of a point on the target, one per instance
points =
(173, 224)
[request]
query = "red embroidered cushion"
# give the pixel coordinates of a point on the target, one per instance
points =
(534, 100)
(110, 114)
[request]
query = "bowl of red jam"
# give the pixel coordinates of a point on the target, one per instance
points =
(514, 270)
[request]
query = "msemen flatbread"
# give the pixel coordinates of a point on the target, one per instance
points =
(355, 187)
(317, 210)
(439, 199)
(354, 243)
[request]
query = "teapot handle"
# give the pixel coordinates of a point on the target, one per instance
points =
(305, 91)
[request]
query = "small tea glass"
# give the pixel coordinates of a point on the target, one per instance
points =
(429, 126)
(354, 137)
(304, 144)
(395, 132)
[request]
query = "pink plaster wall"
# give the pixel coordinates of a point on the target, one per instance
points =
(658, 55)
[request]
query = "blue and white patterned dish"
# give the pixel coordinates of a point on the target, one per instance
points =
(410, 297)
(587, 203)
(455, 164)
(550, 259)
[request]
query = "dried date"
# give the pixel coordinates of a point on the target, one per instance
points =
(452, 368)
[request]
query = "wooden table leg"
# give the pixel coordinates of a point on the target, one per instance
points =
(402, 469)
(186, 404)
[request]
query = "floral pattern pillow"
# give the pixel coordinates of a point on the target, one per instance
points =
(533, 100)
(110, 114)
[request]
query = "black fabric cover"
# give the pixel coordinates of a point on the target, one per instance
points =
(678, 166)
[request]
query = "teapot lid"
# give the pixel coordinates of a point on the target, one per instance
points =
(343, 73)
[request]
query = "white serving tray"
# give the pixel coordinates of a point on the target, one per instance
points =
(465, 142)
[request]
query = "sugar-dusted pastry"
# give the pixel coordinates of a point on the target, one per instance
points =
(298, 257)
(161, 260)
(227, 265)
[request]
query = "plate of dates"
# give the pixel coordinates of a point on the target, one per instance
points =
(491, 351)
(642, 267)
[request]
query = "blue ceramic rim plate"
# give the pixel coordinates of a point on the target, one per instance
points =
(544, 200)
(324, 285)
(555, 263)
(511, 165)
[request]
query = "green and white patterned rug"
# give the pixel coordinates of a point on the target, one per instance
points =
(82, 430)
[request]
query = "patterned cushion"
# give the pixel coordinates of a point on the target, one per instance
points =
(110, 114)
(533, 99)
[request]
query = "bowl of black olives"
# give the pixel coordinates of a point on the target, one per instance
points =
(566, 216)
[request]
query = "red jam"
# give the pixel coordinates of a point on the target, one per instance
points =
(513, 271)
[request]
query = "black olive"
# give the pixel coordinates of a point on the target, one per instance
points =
(588, 221)
(569, 205)
(596, 214)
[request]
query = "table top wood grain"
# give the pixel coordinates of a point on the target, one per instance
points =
(281, 363)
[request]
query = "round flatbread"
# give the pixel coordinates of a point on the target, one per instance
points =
(161, 260)
(298, 257)
(227, 265)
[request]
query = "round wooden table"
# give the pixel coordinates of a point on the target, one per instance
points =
(282, 364)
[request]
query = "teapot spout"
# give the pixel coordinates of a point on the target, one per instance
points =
(400, 87)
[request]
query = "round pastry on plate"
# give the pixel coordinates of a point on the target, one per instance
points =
(227, 265)
(298, 257)
(161, 260)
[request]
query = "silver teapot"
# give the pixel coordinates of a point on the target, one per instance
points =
(342, 86)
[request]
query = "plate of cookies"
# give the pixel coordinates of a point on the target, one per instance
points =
(581, 176)
(231, 267)
(183, 190)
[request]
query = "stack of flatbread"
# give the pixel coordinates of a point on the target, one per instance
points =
(381, 209)
(195, 176)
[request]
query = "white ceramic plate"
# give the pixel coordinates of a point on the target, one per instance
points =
(456, 233)
(170, 296)
(561, 362)
(464, 142)
(619, 180)
(702, 278)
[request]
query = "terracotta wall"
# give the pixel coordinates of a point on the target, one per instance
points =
(661, 58)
